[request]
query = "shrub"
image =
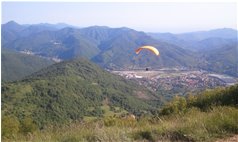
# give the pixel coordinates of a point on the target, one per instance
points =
(110, 121)
(10, 126)
(177, 105)
(28, 126)
(144, 135)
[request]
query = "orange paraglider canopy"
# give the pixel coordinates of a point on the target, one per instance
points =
(151, 48)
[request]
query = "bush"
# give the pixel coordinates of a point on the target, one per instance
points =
(10, 126)
(110, 121)
(28, 126)
(144, 135)
(177, 105)
(204, 101)
(217, 97)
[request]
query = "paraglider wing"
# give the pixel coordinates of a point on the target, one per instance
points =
(151, 48)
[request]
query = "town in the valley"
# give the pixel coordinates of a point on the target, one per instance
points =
(177, 81)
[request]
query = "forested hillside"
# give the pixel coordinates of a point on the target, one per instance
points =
(17, 65)
(70, 91)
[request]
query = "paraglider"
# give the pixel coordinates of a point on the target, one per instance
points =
(151, 48)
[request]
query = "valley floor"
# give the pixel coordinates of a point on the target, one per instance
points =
(177, 81)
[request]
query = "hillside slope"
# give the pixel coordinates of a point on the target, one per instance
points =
(119, 53)
(222, 60)
(16, 65)
(71, 90)
(213, 113)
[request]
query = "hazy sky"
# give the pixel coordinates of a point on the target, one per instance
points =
(150, 17)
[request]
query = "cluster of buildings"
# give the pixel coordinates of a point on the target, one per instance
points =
(189, 81)
(174, 80)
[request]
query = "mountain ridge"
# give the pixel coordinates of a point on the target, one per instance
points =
(113, 48)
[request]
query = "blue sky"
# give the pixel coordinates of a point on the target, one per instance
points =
(150, 17)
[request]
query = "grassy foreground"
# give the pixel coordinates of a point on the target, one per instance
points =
(211, 115)
(194, 125)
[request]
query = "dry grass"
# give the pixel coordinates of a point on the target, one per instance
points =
(194, 125)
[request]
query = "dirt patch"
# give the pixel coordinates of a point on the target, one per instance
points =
(230, 139)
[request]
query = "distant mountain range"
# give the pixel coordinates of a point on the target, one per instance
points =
(199, 40)
(217, 49)
(13, 30)
(71, 90)
(114, 48)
